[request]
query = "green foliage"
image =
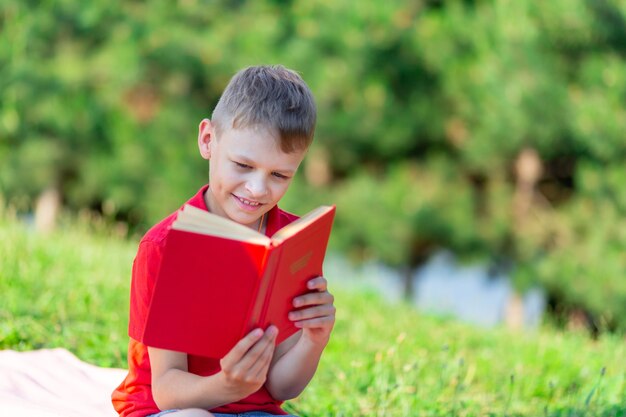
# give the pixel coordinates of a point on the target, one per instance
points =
(585, 262)
(409, 209)
(382, 359)
(424, 108)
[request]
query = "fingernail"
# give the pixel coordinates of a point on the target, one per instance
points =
(258, 333)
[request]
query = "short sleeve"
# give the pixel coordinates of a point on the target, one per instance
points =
(145, 270)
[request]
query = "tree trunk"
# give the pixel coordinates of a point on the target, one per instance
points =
(528, 171)
(317, 168)
(47, 210)
(407, 284)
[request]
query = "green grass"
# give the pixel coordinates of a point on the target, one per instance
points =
(70, 289)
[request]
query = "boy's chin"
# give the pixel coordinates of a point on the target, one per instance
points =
(245, 219)
(245, 216)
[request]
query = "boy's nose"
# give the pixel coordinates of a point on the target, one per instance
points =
(256, 187)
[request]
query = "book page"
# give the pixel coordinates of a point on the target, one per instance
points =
(300, 224)
(195, 220)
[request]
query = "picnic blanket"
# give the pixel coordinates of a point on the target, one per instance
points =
(55, 383)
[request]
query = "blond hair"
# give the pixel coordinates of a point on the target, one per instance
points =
(272, 97)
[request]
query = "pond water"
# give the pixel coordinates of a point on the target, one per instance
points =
(444, 287)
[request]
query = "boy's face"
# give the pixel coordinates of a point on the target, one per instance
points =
(248, 172)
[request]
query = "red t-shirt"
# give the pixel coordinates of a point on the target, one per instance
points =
(133, 397)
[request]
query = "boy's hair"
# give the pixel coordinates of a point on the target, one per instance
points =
(272, 97)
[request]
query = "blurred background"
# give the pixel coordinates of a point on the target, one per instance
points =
(475, 149)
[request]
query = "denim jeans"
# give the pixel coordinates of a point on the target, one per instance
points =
(248, 414)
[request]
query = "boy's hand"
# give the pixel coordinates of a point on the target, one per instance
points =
(317, 318)
(244, 368)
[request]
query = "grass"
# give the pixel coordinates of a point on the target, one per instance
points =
(70, 289)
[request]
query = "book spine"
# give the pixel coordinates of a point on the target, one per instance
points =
(262, 290)
(269, 278)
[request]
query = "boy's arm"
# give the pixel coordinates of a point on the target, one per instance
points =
(244, 371)
(297, 358)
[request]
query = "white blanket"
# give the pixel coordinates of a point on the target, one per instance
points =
(54, 383)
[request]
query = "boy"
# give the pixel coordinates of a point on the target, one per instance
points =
(259, 133)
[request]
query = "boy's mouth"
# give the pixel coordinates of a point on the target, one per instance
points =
(247, 204)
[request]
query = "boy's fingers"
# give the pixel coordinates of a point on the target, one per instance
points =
(317, 283)
(313, 298)
(257, 350)
(324, 310)
(260, 367)
(240, 349)
(316, 322)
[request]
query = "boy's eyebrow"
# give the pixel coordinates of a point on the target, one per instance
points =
(248, 161)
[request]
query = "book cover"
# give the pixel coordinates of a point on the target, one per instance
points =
(218, 280)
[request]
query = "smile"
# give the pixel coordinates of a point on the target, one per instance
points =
(247, 202)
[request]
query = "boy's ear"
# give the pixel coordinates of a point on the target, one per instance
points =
(205, 136)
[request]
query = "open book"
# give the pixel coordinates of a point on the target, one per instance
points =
(218, 280)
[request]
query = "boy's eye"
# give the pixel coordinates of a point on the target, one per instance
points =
(242, 165)
(281, 176)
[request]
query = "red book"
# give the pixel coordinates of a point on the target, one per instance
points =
(204, 307)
